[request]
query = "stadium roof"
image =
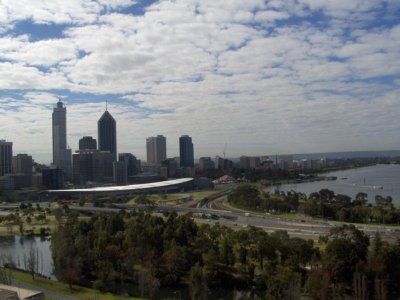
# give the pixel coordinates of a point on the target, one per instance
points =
(131, 187)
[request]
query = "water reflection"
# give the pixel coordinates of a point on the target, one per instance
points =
(19, 248)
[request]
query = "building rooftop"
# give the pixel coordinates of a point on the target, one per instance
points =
(131, 187)
(9, 292)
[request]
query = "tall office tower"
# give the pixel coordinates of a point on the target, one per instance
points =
(206, 163)
(107, 133)
(156, 147)
(22, 164)
(131, 163)
(87, 142)
(186, 151)
(61, 155)
(5, 157)
(93, 165)
(120, 173)
(53, 178)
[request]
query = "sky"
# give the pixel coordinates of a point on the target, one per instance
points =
(245, 77)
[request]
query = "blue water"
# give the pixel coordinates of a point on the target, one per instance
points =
(375, 180)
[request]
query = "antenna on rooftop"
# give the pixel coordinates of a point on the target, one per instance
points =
(224, 151)
(106, 105)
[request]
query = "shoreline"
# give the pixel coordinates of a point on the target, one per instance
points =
(346, 185)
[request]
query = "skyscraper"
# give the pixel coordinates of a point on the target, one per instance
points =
(156, 147)
(5, 157)
(131, 163)
(87, 142)
(61, 155)
(107, 133)
(92, 165)
(22, 165)
(186, 151)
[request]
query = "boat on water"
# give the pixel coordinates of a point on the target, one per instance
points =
(377, 187)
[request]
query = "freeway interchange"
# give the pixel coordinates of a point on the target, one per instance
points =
(214, 211)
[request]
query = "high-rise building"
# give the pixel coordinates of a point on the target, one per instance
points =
(131, 163)
(169, 167)
(93, 166)
(285, 162)
(61, 155)
(120, 172)
(186, 151)
(223, 163)
(107, 133)
(5, 157)
(156, 149)
(22, 165)
(87, 142)
(206, 163)
(53, 178)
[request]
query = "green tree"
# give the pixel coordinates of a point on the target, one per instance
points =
(198, 288)
(346, 247)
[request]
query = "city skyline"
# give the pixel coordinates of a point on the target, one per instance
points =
(261, 77)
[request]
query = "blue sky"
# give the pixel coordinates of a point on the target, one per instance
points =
(262, 77)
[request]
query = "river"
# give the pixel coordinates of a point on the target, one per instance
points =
(374, 180)
(18, 248)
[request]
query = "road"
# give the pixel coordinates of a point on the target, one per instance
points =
(214, 211)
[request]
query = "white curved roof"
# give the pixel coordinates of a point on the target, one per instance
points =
(130, 187)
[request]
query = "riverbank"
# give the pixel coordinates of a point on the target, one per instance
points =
(374, 180)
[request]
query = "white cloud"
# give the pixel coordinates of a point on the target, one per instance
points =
(41, 98)
(220, 71)
(40, 53)
(57, 11)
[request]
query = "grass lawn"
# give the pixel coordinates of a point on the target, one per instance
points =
(62, 288)
(293, 216)
(201, 194)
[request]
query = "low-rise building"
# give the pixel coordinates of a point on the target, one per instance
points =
(9, 292)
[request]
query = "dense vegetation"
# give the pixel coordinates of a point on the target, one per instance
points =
(109, 251)
(323, 204)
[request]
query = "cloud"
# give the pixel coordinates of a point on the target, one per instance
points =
(264, 77)
(57, 11)
(41, 53)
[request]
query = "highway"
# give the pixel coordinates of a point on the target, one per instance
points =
(215, 212)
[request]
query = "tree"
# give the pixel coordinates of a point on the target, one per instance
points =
(360, 287)
(6, 268)
(148, 282)
(33, 261)
(318, 283)
(346, 247)
(246, 195)
(326, 194)
(198, 283)
(362, 198)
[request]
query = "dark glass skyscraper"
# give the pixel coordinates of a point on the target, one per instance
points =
(107, 134)
(186, 151)
(87, 142)
(5, 157)
(130, 161)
